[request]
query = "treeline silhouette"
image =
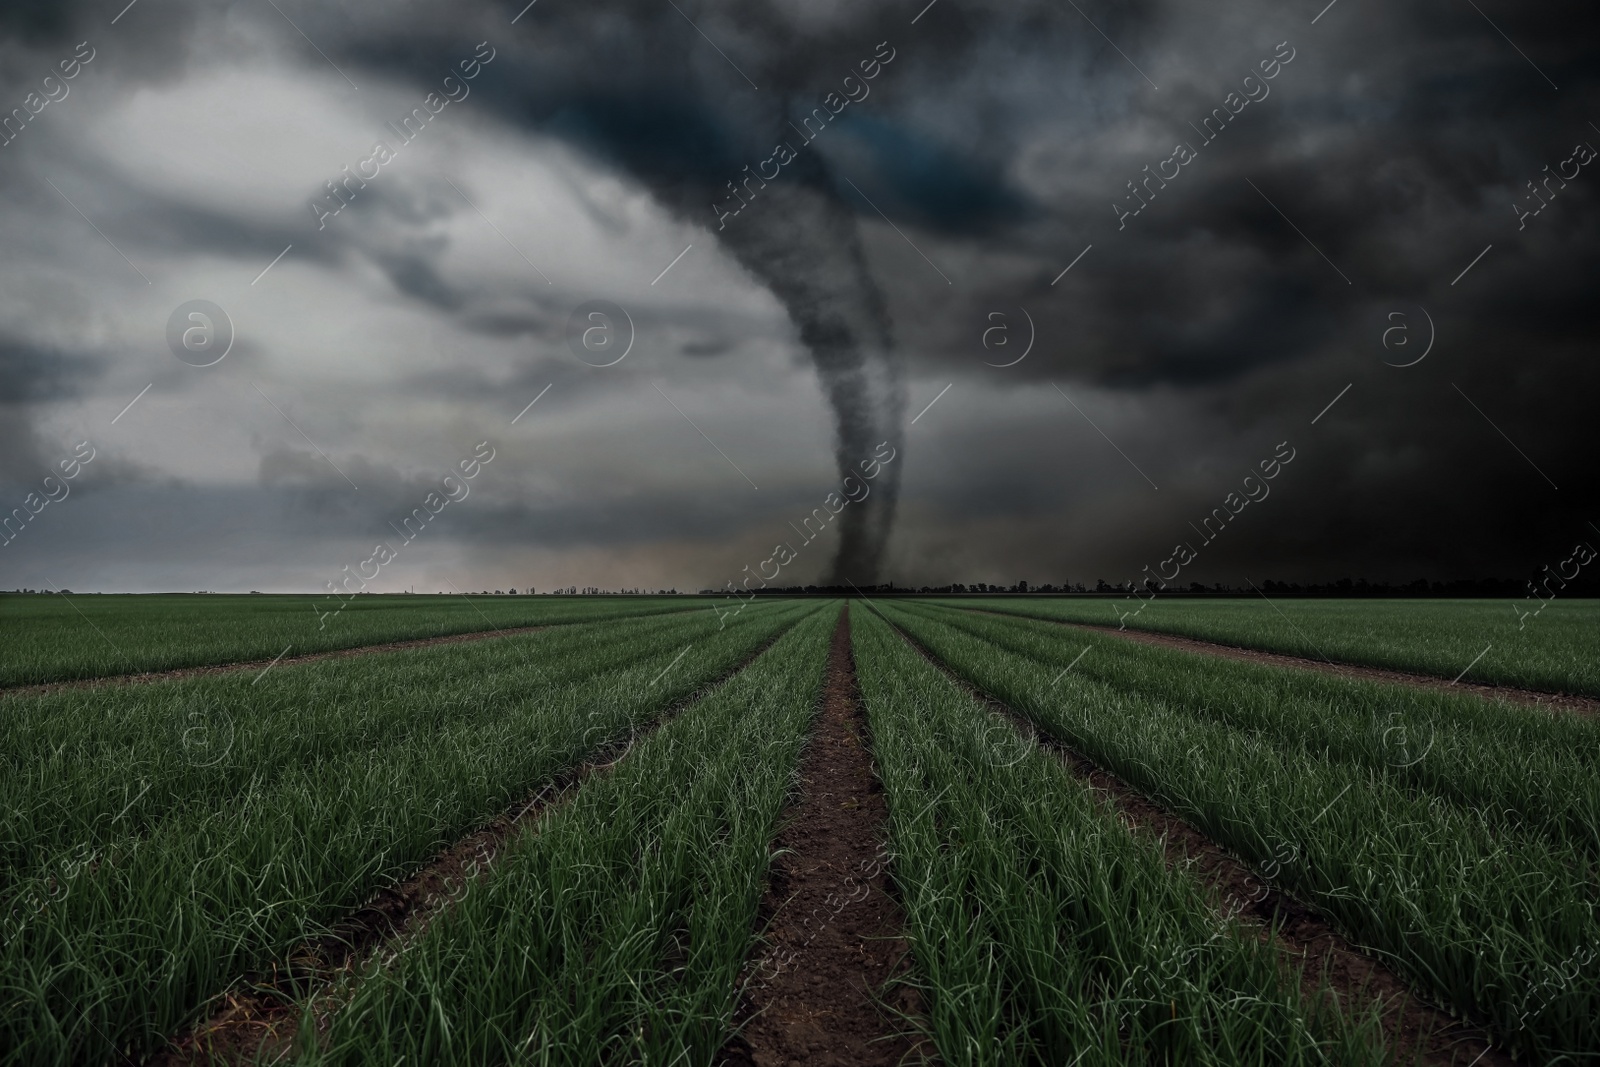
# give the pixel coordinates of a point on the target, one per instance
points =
(1343, 587)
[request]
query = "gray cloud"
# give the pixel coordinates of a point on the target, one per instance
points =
(1198, 334)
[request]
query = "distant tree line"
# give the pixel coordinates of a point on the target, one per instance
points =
(1581, 586)
(1343, 587)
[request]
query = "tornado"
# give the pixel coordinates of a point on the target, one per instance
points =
(801, 241)
(799, 238)
(668, 119)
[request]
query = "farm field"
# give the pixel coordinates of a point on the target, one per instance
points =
(50, 638)
(1556, 651)
(622, 839)
(1369, 803)
(166, 838)
(1046, 930)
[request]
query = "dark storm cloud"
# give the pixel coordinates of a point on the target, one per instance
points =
(660, 114)
(33, 372)
(668, 123)
(412, 272)
(33, 21)
(706, 332)
(174, 226)
(797, 237)
(1396, 141)
(36, 34)
(496, 514)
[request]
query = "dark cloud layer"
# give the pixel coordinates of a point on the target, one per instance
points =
(999, 146)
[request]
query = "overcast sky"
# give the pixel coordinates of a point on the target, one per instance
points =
(1104, 365)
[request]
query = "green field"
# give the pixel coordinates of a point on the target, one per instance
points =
(1558, 651)
(164, 845)
(52, 638)
(1378, 805)
(1046, 930)
(144, 872)
(593, 909)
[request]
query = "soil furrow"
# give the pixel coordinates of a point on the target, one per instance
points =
(1416, 1030)
(1580, 705)
(259, 1017)
(815, 992)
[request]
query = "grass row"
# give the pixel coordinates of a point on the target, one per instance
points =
(58, 638)
(1521, 769)
(120, 945)
(1553, 651)
(1489, 918)
(614, 932)
(1046, 932)
(81, 769)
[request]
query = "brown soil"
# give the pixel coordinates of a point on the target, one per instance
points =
(259, 664)
(815, 991)
(1415, 1030)
(1549, 701)
(259, 1018)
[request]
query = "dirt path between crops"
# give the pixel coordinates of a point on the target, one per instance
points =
(259, 1018)
(1581, 705)
(261, 664)
(831, 920)
(1415, 1030)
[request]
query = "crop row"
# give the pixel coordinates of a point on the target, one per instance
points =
(615, 930)
(57, 638)
(1044, 930)
(124, 938)
(1502, 641)
(158, 842)
(1520, 769)
(1487, 914)
(82, 769)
